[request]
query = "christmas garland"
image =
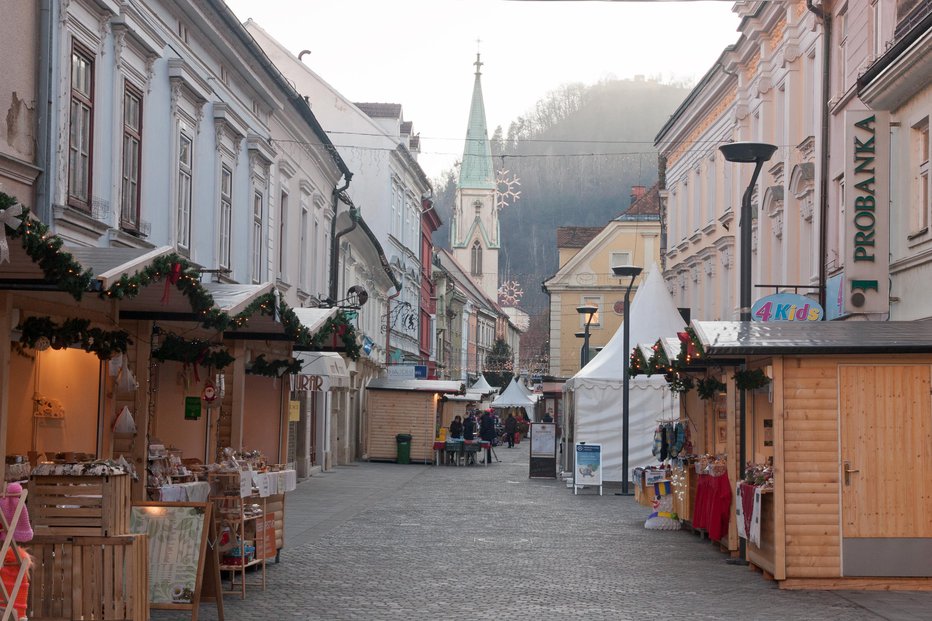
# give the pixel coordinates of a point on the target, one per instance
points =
(680, 382)
(44, 248)
(750, 379)
(638, 364)
(41, 333)
(195, 351)
(274, 368)
(708, 387)
(690, 347)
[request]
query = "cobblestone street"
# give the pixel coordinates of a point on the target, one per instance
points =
(385, 541)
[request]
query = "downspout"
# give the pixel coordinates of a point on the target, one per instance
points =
(43, 188)
(335, 237)
(826, 18)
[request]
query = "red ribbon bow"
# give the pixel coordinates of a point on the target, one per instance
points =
(171, 279)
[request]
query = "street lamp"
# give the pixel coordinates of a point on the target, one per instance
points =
(582, 349)
(624, 271)
(588, 312)
(746, 153)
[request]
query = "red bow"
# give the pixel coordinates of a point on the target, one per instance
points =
(171, 279)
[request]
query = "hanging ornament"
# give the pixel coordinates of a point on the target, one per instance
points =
(9, 217)
(506, 192)
(209, 393)
(42, 343)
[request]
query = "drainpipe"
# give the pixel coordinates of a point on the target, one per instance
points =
(334, 237)
(43, 187)
(826, 18)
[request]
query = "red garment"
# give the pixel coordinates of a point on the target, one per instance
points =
(747, 505)
(719, 507)
(701, 506)
(8, 574)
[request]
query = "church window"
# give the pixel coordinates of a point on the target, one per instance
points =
(476, 257)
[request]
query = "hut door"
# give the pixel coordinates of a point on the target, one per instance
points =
(886, 470)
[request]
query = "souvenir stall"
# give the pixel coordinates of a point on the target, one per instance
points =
(399, 407)
(825, 403)
(452, 405)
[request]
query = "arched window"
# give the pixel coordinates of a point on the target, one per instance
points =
(476, 258)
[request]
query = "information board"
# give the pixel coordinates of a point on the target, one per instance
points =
(179, 557)
(543, 459)
(587, 471)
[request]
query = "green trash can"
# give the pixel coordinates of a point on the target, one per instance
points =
(404, 448)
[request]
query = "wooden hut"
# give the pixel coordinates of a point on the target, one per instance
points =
(403, 406)
(847, 419)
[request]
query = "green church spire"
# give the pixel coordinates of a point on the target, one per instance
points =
(476, 171)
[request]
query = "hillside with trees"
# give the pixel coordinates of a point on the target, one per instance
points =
(576, 154)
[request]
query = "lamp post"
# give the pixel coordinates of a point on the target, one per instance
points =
(746, 153)
(588, 312)
(623, 271)
(582, 349)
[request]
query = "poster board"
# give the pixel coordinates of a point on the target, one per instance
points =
(543, 458)
(179, 557)
(587, 470)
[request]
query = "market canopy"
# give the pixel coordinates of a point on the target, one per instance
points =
(482, 385)
(513, 397)
(470, 396)
(813, 337)
(327, 365)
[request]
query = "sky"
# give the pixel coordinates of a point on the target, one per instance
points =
(420, 53)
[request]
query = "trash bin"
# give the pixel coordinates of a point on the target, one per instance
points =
(404, 448)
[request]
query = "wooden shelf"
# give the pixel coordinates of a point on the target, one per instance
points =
(231, 510)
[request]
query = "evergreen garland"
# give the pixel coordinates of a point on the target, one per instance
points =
(750, 379)
(680, 382)
(638, 364)
(43, 248)
(195, 351)
(690, 347)
(708, 387)
(274, 368)
(73, 333)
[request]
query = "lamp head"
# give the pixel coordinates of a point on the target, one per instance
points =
(587, 311)
(622, 271)
(747, 152)
(580, 335)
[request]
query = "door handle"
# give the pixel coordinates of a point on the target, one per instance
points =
(848, 471)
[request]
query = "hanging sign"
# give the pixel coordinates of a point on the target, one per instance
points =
(786, 307)
(192, 408)
(294, 411)
(587, 472)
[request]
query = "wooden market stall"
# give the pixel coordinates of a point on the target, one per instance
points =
(401, 406)
(846, 418)
(453, 405)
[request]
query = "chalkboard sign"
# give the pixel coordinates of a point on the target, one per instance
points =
(543, 459)
(179, 557)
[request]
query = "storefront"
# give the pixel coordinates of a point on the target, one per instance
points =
(321, 391)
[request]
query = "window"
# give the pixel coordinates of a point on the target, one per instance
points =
(81, 130)
(476, 259)
(920, 203)
(842, 25)
(619, 259)
(877, 29)
(283, 237)
(302, 243)
(405, 233)
(317, 244)
(185, 160)
(257, 209)
(597, 317)
(132, 154)
(226, 214)
(398, 203)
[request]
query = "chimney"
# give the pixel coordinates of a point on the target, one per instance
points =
(637, 191)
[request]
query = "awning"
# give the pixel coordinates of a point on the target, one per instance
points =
(469, 396)
(234, 298)
(329, 366)
(437, 386)
(110, 264)
(720, 338)
(314, 318)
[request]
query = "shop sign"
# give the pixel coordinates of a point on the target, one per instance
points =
(307, 383)
(835, 297)
(294, 411)
(192, 408)
(588, 467)
(367, 345)
(420, 371)
(786, 307)
(401, 371)
(867, 211)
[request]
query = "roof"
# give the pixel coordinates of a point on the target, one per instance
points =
(482, 385)
(646, 205)
(415, 385)
(234, 298)
(513, 397)
(380, 110)
(576, 236)
(476, 171)
(823, 337)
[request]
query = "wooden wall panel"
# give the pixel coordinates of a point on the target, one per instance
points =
(392, 412)
(810, 467)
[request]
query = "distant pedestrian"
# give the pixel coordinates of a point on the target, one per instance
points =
(511, 426)
(456, 427)
(487, 432)
(469, 427)
(548, 417)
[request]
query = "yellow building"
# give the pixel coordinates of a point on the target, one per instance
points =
(585, 277)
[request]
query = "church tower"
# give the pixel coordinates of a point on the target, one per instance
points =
(474, 229)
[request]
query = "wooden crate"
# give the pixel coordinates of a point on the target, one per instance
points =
(74, 506)
(90, 578)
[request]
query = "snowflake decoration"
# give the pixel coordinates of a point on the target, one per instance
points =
(510, 293)
(506, 192)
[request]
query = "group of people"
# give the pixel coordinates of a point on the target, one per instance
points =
(485, 426)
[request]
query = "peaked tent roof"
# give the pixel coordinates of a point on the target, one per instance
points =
(482, 385)
(653, 315)
(476, 171)
(513, 397)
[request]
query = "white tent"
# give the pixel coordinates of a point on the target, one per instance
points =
(514, 397)
(482, 385)
(594, 394)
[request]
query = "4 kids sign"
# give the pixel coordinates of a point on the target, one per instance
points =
(867, 211)
(786, 307)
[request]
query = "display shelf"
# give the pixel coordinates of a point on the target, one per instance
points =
(244, 529)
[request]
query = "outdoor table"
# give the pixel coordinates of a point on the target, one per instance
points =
(460, 447)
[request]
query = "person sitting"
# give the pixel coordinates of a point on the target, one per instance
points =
(456, 427)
